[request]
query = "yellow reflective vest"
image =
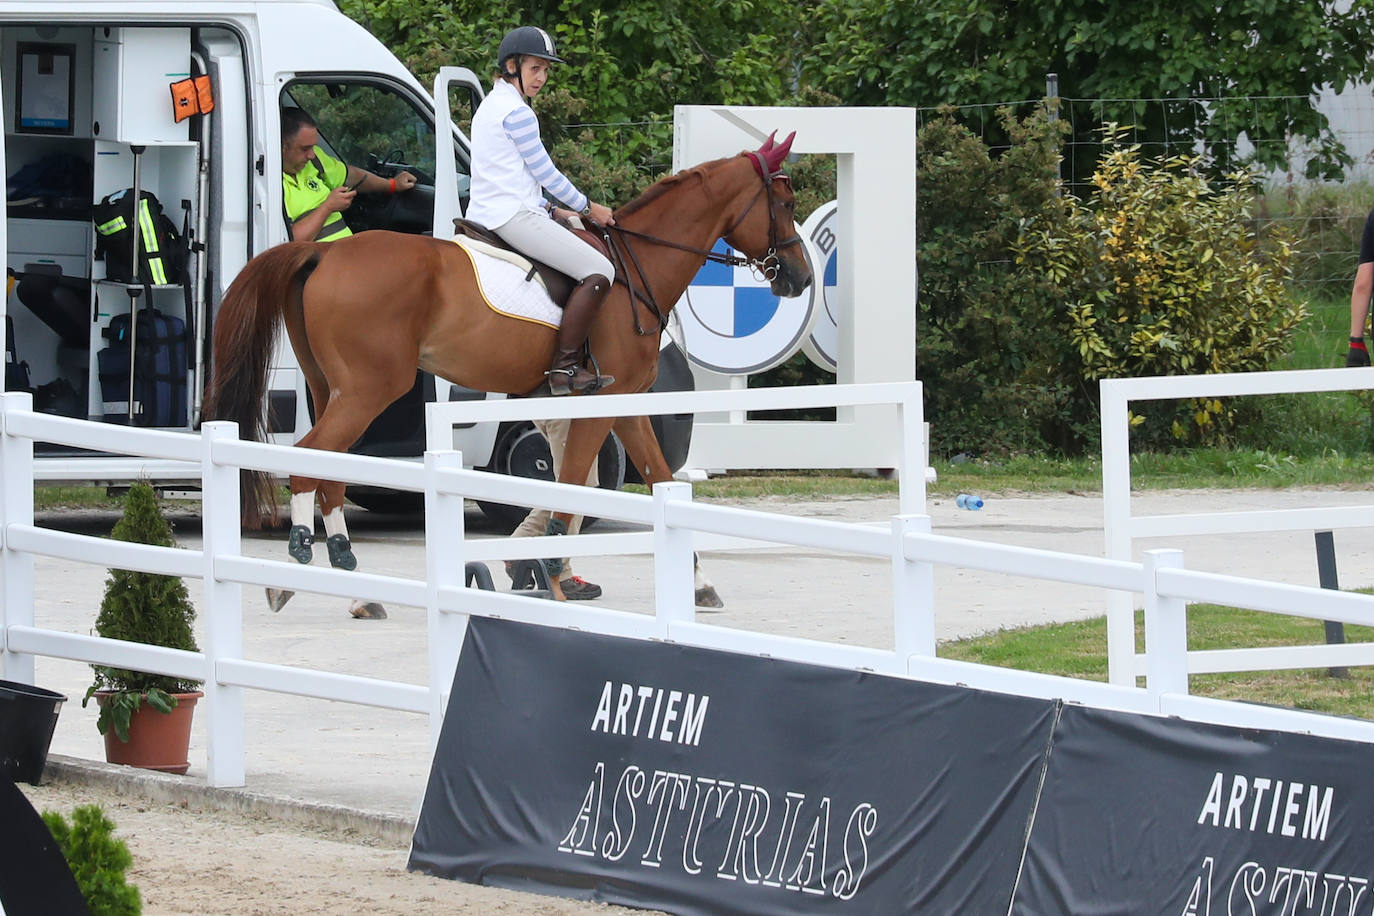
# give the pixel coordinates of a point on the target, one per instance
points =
(306, 190)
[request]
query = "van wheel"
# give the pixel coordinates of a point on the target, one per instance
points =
(522, 451)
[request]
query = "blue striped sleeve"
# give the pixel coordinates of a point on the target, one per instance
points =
(523, 129)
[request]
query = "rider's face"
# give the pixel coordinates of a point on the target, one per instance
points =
(534, 72)
(296, 151)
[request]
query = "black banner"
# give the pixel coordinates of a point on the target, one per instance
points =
(1150, 815)
(664, 776)
(34, 877)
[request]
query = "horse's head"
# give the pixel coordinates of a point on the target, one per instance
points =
(768, 235)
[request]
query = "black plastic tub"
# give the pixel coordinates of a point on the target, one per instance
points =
(28, 717)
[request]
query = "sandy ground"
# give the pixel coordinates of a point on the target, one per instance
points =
(194, 862)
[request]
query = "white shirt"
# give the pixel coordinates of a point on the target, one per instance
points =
(510, 167)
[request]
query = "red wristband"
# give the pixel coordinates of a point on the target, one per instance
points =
(1358, 345)
(393, 185)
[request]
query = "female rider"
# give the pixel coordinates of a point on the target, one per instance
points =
(510, 171)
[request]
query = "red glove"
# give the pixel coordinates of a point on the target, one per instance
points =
(1358, 355)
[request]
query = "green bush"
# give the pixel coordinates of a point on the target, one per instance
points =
(1030, 296)
(97, 859)
(1162, 273)
(983, 355)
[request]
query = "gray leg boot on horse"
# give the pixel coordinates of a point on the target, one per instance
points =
(567, 373)
(300, 545)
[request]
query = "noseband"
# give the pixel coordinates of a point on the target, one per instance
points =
(767, 266)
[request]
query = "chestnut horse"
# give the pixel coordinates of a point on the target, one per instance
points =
(362, 312)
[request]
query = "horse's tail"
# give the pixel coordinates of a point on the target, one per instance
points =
(245, 326)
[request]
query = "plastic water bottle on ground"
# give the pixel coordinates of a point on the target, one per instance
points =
(969, 502)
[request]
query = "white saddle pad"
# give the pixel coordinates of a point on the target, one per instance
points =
(505, 288)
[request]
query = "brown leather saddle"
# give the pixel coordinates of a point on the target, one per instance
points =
(558, 284)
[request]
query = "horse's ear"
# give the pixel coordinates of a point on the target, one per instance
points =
(777, 154)
(768, 144)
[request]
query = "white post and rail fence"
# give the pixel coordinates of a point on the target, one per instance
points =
(1121, 529)
(677, 526)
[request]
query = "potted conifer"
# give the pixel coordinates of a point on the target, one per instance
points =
(145, 718)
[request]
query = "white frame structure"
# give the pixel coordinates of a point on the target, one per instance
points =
(875, 152)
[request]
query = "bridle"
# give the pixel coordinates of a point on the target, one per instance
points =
(767, 266)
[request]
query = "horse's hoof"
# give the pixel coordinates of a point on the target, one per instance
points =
(341, 553)
(707, 597)
(300, 543)
(367, 610)
(277, 598)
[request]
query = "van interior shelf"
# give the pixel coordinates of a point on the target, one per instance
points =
(120, 284)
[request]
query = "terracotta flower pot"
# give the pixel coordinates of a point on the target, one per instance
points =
(157, 740)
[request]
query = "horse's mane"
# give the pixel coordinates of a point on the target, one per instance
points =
(665, 184)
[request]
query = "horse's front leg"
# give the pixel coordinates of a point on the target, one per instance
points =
(341, 548)
(641, 445)
(300, 541)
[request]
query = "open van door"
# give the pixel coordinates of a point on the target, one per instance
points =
(477, 443)
(447, 193)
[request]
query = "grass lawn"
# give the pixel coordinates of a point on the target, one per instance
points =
(1079, 649)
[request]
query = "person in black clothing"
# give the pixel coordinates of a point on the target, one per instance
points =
(1358, 355)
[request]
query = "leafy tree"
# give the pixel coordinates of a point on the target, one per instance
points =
(627, 66)
(1254, 56)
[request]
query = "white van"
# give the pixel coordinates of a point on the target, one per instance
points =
(89, 111)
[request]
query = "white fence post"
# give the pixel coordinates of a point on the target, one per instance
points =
(674, 582)
(445, 567)
(913, 595)
(1166, 629)
(911, 480)
(1116, 518)
(221, 536)
(16, 568)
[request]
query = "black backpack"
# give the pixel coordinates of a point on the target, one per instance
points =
(163, 251)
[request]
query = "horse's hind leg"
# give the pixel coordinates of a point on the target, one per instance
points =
(637, 435)
(341, 423)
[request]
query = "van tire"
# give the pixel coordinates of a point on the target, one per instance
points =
(522, 452)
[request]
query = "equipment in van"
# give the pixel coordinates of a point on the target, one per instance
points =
(16, 372)
(159, 384)
(163, 252)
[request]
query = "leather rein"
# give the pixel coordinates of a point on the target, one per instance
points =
(624, 255)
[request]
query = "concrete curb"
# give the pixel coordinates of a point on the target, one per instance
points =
(166, 788)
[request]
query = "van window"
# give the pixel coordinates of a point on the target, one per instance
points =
(378, 128)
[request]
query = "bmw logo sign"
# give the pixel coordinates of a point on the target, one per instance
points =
(733, 324)
(822, 230)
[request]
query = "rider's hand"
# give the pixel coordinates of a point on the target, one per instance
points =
(602, 214)
(405, 181)
(1357, 356)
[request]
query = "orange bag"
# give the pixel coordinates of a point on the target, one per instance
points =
(191, 97)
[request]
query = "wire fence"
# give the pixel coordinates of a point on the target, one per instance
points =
(1326, 215)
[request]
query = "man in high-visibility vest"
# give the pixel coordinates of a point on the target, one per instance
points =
(316, 187)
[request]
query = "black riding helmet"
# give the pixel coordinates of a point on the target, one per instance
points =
(526, 41)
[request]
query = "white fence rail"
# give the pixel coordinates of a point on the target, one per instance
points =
(1121, 528)
(678, 526)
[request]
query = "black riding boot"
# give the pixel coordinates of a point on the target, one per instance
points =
(567, 373)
